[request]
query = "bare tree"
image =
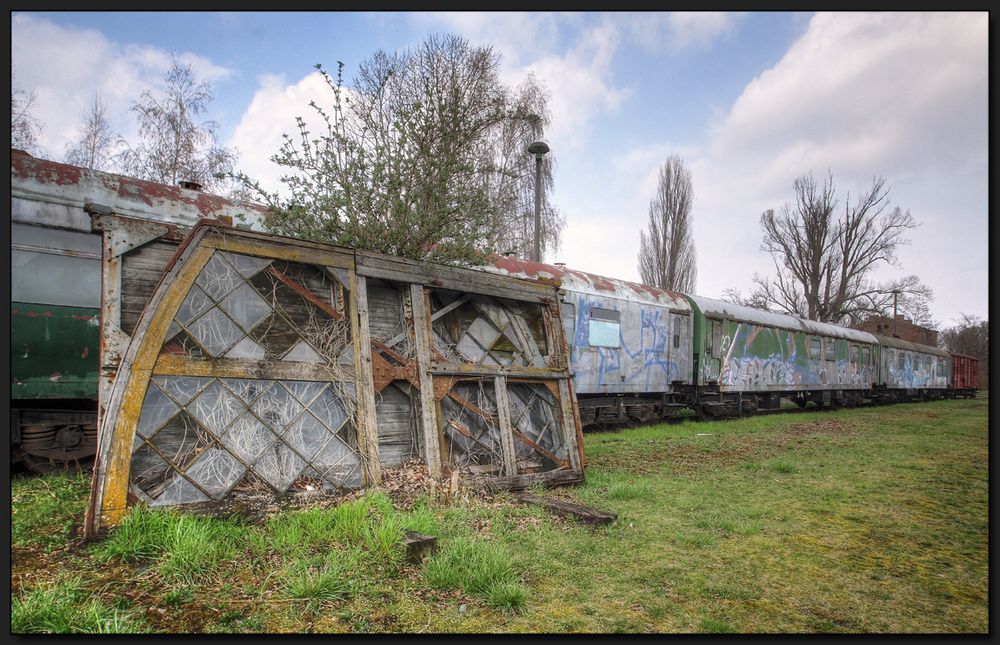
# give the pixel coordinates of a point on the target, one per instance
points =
(970, 336)
(421, 156)
(823, 262)
(174, 145)
(25, 129)
(511, 184)
(96, 142)
(666, 249)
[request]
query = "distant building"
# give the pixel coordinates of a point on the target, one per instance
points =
(899, 327)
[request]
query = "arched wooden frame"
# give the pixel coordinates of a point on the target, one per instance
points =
(143, 360)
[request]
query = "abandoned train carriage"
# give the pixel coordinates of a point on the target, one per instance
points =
(630, 344)
(748, 359)
(909, 370)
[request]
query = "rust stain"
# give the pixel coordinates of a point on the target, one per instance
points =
(48, 172)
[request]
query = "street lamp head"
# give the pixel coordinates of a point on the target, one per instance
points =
(538, 148)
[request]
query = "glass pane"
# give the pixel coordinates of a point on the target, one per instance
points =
(247, 265)
(328, 409)
(156, 409)
(215, 407)
(304, 391)
(247, 389)
(338, 464)
(247, 438)
(277, 408)
(307, 435)
(79, 283)
(216, 471)
(245, 306)
(279, 466)
(246, 349)
(194, 304)
(181, 388)
(218, 277)
(215, 332)
(302, 353)
(179, 491)
(604, 334)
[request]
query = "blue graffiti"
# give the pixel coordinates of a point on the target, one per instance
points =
(654, 326)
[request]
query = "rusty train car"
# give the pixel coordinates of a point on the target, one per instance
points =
(638, 354)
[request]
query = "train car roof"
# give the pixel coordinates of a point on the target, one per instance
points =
(588, 283)
(889, 341)
(725, 309)
(56, 194)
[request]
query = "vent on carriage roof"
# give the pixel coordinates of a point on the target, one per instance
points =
(190, 184)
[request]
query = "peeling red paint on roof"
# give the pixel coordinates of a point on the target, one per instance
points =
(574, 279)
(151, 195)
(24, 165)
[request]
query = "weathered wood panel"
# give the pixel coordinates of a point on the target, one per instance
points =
(397, 426)
(143, 269)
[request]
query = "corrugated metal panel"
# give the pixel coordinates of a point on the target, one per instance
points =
(720, 308)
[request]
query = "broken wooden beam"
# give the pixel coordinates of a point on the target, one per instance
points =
(417, 546)
(585, 514)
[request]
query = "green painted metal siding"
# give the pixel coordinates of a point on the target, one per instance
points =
(54, 351)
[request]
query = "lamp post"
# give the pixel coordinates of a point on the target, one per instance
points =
(538, 148)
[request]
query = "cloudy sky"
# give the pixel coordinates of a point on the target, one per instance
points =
(749, 101)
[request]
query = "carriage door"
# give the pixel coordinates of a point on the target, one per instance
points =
(854, 364)
(830, 364)
(713, 349)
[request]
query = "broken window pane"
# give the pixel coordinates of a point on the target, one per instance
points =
(180, 441)
(537, 428)
(471, 426)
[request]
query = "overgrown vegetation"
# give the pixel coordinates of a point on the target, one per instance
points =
(871, 520)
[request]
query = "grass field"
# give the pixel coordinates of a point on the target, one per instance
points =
(872, 520)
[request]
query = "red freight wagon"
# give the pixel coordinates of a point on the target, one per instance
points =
(964, 375)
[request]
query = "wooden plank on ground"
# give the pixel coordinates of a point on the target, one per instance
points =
(585, 514)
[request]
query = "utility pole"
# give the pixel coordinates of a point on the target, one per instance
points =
(538, 148)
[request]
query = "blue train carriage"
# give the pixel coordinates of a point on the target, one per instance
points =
(747, 359)
(911, 371)
(629, 344)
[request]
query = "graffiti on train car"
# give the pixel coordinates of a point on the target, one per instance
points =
(649, 363)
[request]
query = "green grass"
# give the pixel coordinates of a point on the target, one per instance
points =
(866, 520)
(64, 607)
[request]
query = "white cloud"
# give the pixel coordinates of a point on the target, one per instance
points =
(65, 66)
(898, 95)
(675, 31)
(271, 114)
